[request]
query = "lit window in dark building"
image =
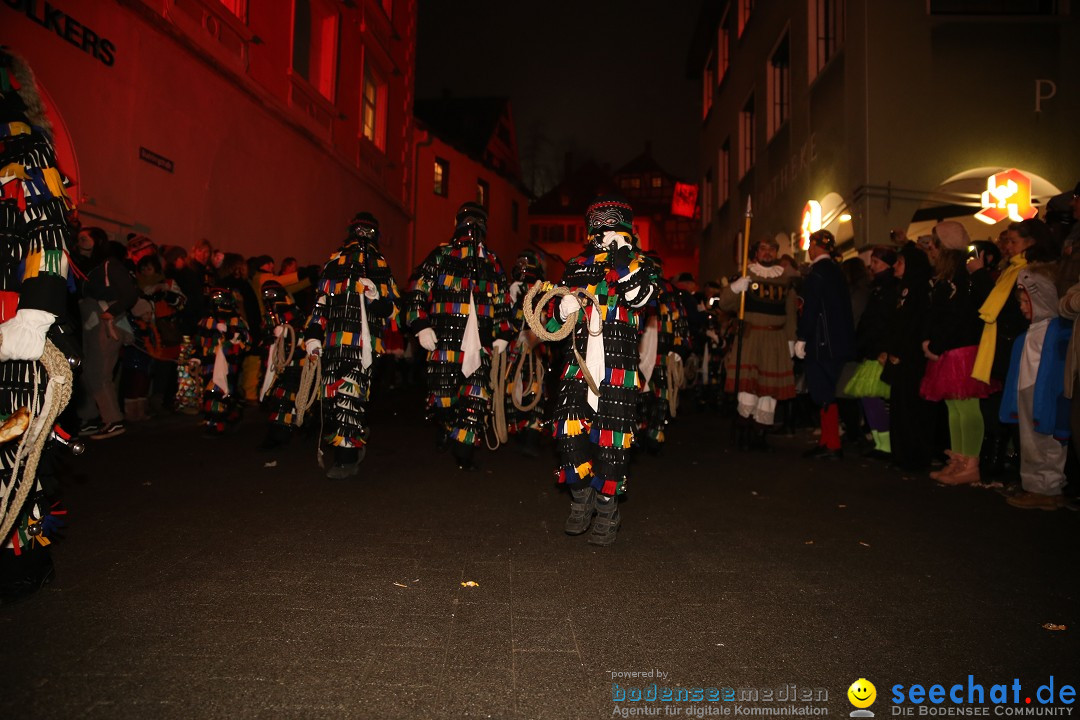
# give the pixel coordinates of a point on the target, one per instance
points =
(237, 8)
(826, 23)
(723, 46)
(708, 84)
(746, 137)
(514, 215)
(779, 86)
(315, 36)
(706, 198)
(723, 176)
(483, 193)
(442, 177)
(635, 183)
(657, 181)
(745, 8)
(373, 110)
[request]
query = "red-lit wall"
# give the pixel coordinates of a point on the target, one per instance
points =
(260, 162)
(435, 213)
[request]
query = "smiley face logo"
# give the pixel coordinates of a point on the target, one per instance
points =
(862, 693)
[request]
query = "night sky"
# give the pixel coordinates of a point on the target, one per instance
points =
(597, 77)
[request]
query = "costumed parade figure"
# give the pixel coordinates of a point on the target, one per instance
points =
(459, 308)
(220, 342)
(283, 326)
(356, 302)
(594, 429)
(33, 269)
(528, 360)
(664, 345)
(765, 369)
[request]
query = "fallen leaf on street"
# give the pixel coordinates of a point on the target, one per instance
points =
(808, 542)
(864, 544)
(400, 585)
(470, 583)
(841, 506)
(1052, 626)
(272, 463)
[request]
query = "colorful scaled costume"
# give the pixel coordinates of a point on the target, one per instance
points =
(459, 308)
(283, 327)
(33, 268)
(220, 342)
(356, 302)
(527, 360)
(665, 342)
(594, 432)
(765, 372)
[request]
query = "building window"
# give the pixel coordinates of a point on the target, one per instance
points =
(708, 85)
(442, 177)
(315, 38)
(723, 175)
(514, 215)
(483, 193)
(746, 137)
(779, 71)
(657, 181)
(373, 109)
(635, 183)
(237, 8)
(826, 23)
(723, 46)
(707, 198)
(745, 8)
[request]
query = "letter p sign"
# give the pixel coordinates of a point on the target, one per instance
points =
(1044, 90)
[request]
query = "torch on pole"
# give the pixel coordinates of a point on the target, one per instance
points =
(742, 297)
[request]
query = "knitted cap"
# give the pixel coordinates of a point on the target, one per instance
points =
(952, 235)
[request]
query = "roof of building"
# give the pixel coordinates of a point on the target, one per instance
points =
(577, 189)
(467, 123)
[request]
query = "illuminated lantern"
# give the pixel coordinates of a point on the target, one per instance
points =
(684, 201)
(1007, 196)
(811, 222)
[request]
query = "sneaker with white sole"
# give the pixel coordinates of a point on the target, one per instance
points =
(108, 431)
(89, 427)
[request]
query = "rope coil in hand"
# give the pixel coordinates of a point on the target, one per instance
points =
(675, 380)
(310, 387)
(533, 315)
(286, 340)
(32, 442)
(498, 401)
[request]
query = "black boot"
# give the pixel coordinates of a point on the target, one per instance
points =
(582, 509)
(23, 575)
(606, 522)
(276, 436)
(464, 454)
(346, 462)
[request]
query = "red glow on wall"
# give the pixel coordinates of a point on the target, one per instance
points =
(684, 201)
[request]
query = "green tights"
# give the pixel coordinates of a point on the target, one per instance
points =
(965, 426)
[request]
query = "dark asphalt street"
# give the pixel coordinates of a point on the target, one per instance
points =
(195, 581)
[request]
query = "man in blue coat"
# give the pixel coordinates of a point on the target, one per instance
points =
(826, 338)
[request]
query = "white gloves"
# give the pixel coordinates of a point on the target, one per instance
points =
(499, 346)
(24, 334)
(370, 291)
(568, 306)
(800, 349)
(221, 327)
(427, 339)
(515, 290)
(278, 330)
(791, 348)
(741, 285)
(313, 346)
(613, 240)
(711, 334)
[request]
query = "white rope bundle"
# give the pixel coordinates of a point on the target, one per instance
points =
(533, 316)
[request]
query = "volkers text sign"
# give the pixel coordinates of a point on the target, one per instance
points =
(67, 27)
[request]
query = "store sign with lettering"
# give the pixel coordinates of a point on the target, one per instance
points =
(1007, 197)
(67, 28)
(156, 160)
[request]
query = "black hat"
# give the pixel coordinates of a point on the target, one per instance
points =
(470, 216)
(885, 254)
(609, 212)
(365, 226)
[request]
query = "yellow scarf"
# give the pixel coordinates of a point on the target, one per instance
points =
(989, 312)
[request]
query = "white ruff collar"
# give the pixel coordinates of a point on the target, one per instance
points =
(771, 272)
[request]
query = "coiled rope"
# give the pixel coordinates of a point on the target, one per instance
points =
(286, 340)
(497, 418)
(310, 387)
(534, 316)
(32, 442)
